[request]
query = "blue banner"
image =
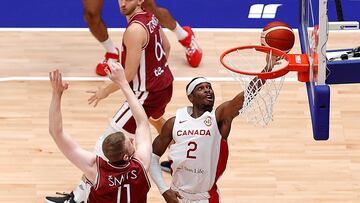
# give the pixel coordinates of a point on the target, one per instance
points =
(196, 13)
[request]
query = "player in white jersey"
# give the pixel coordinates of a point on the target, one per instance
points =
(199, 155)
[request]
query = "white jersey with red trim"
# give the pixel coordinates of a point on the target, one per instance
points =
(199, 154)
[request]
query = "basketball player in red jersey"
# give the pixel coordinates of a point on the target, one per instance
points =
(200, 152)
(144, 52)
(123, 176)
(185, 35)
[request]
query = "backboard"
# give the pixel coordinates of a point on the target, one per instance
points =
(313, 34)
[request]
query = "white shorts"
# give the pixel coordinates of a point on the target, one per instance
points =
(203, 197)
(193, 201)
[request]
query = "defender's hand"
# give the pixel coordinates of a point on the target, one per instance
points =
(271, 62)
(116, 73)
(97, 96)
(57, 84)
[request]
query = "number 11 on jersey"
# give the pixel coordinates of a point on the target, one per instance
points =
(127, 187)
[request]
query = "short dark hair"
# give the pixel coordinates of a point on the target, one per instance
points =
(114, 147)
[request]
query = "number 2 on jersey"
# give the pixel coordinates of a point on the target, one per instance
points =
(192, 147)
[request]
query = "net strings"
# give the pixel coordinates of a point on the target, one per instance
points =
(259, 95)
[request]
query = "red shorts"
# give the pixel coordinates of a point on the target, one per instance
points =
(154, 104)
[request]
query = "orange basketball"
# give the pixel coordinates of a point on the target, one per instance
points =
(278, 35)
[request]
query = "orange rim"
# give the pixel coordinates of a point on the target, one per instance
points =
(264, 49)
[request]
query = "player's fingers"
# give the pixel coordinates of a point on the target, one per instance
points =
(66, 85)
(54, 75)
(91, 91)
(91, 99)
(178, 195)
(96, 103)
(50, 76)
(118, 65)
(58, 74)
(107, 71)
(112, 66)
(60, 78)
(54, 79)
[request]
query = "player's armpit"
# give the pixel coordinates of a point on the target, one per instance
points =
(162, 141)
(230, 109)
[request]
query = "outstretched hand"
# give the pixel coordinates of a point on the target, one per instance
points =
(271, 61)
(96, 96)
(171, 196)
(116, 73)
(57, 84)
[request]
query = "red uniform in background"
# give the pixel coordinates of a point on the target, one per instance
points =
(153, 82)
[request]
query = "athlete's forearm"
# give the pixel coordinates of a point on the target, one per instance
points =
(55, 116)
(135, 106)
(143, 135)
(111, 88)
(156, 174)
(81, 158)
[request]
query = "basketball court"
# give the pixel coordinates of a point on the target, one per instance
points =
(278, 163)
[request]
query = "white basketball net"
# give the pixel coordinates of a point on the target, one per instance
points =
(259, 95)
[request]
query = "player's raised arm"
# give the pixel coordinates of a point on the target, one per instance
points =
(81, 158)
(228, 110)
(143, 136)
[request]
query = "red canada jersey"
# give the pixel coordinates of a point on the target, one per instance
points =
(153, 73)
(119, 184)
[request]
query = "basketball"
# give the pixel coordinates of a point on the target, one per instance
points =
(278, 35)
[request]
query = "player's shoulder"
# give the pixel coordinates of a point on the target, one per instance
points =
(170, 121)
(168, 125)
(135, 33)
(135, 27)
(135, 161)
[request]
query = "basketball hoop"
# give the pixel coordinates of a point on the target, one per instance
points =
(261, 72)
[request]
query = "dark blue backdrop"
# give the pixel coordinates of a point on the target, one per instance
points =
(197, 13)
